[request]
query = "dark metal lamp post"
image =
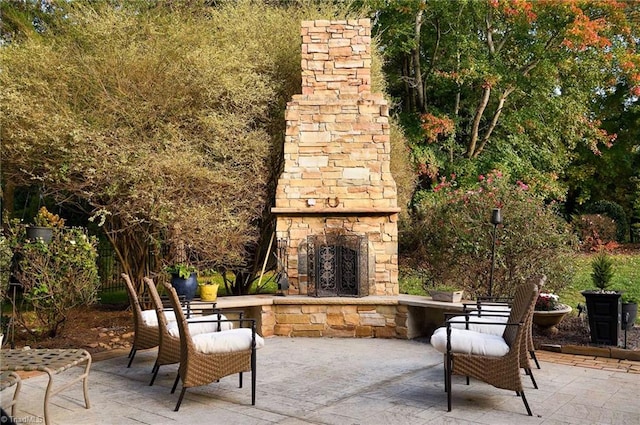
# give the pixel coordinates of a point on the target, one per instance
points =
(496, 218)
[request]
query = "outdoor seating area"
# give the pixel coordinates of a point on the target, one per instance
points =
(492, 358)
(337, 381)
(206, 344)
(337, 213)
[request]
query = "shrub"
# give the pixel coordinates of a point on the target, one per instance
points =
(451, 237)
(595, 231)
(617, 214)
(6, 254)
(602, 271)
(55, 277)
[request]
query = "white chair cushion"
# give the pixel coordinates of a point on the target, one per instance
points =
(226, 342)
(196, 328)
(458, 322)
(150, 318)
(469, 342)
(505, 308)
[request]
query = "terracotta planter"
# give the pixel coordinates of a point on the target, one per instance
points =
(548, 320)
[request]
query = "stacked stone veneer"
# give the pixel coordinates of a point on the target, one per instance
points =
(342, 317)
(336, 175)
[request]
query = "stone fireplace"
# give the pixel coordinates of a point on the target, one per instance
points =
(336, 201)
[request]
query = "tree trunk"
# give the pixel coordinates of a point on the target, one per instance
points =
(494, 121)
(476, 120)
(415, 52)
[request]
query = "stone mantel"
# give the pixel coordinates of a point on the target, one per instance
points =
(336, 211)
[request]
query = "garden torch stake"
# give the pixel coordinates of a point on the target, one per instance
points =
(496, 218)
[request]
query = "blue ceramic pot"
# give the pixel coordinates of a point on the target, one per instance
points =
(185, 287)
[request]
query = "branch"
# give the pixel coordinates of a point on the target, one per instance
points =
(476, 120)
(494, 121)
(492, 48)
(416, 57)
(435, 50)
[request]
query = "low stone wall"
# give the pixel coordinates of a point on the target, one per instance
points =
(403, 316)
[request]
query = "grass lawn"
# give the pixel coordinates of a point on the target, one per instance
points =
(626, 278)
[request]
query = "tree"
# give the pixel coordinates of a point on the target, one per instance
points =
(611, 174)
(507, 83)
(163, 122)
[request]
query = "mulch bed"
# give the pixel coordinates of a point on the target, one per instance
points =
(574, 330)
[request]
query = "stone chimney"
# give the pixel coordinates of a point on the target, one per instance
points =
(336, 180)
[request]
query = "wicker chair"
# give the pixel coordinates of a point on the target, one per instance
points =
(490, 358)
(208, 357)
(169, 342)
(145, 336)
(497, 309)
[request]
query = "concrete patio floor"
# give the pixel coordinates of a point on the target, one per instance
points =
(334, 381)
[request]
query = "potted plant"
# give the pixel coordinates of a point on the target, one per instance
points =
(208, 286)
(184, 278)
(43, 224)
(604, 306)
(549, 311)
(446, 293)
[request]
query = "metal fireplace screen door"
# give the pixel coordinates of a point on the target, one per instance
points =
(338, 265)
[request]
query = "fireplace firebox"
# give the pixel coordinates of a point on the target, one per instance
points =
(338, 266)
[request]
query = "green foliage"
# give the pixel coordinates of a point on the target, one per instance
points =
(164, 122)
(613, 172)
(451, 237)
(616, 213)
(181, 270)
(6, 255)
(55, 276)
(602, 270)
(523, 83)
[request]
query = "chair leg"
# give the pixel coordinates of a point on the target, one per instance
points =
(448, 383)
(444, 368)
(175, 384)
(184, 389)
(253, 377)
(156, 368)
(533, 380)
(535, 359)
(131, 356)
(131, 352)
(524, 399)
(240, 380)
